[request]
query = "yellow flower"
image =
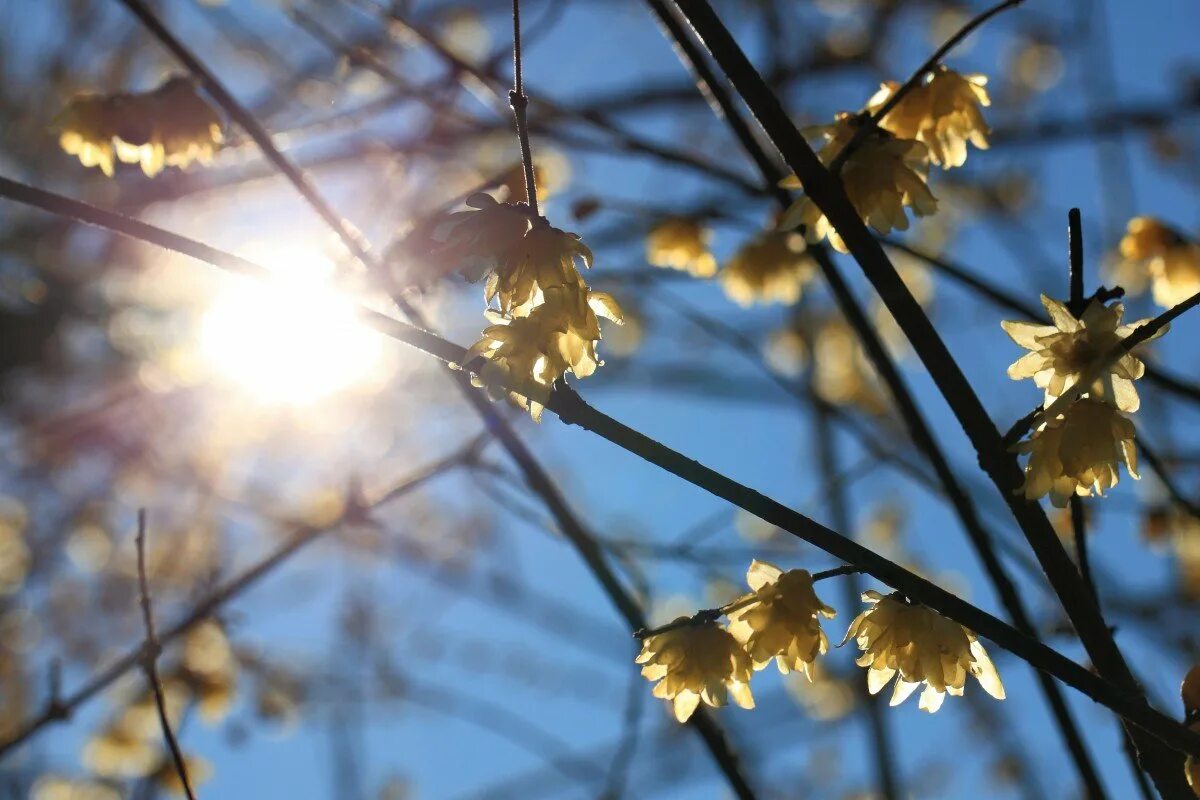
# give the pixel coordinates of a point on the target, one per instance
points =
(923, 647)
(475, 242)
(882, 177)
(1151, 249)
(1078, 452)
(781, 622)
(15, 557)
(52, 787)
(543, 259)
(169, 126)
(844, 375)
(824, 696)
(681, 243)
(695, 662)
(209, 670)
(1061, 353)
(120, 751)
(166, 777)
(944, 113)
(770, 268)
(558, 335)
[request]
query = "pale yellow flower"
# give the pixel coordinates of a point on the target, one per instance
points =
(543, 259)
(15, 557)
(166, 777)
(883, 177)
(1078, 451)
(944, 113)
(118, 751)
(682, 243)
(781, 622)
(1151, 249)
(918, 646)
(824, 696)
(770, 268)
(169, 126)
(53, 787)
(1061, 353)
(558, 335)
(209, 670)
(844, 375)
(694, 662)
(474, 242)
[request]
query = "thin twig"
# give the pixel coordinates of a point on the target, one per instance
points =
(520, 107)
(150, 651)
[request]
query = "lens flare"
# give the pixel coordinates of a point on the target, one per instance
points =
(294, 340)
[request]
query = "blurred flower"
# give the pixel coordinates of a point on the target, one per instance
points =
(54, 787)
(882, 177)
(786, 352)
(781, 623)
(1061, 353)
(924, 647)
(824, 696)
(681, 243)
(464, 34)
(169, 126)
(1078, 452)
(15, 557)
(209, 670)
(474, 242)
(166, 776)
(770, 268)
(694, 662)
(944, 112)
(119, 751)
(1152, 250)
(844, 376)
(558, 335)
(1035, 66)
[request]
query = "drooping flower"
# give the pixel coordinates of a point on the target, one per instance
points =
(558, 335)
(944, 113)
(543, 259)
(682, 243)
(1151, 249)
(473, 242)
(695, 662)
(1078, 452)
(169, 126)
(770, 268)
(884, 176)
(1061, 353)
(781, 623)
(916, 645)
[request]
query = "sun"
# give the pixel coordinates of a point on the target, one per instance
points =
(292, 340)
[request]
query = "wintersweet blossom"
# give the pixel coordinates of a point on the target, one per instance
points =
(916, 645)
(944, 113)
(1063, 352)
(169, 126)
(884, 176)
(558, 335)
(1151, 249)
(781, 621)
(770, 268)
(696, 662)
(544, 258)
(1078, 452)
(682, 243)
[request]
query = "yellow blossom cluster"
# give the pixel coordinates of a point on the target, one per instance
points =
(944, 113)
(695, 660)
(545, 318)
(916, 645)
(886, 173)
(1077, 452)
(770, 268)
(682, 243)
(169, 126)
(1153, 252)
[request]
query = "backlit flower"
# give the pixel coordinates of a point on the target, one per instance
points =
(781, 623)
(944, 113)
(695, 662)
(1154, 250)
(1078, 452)
(1062, 352)
(209, 670)
(916, 645)
(883, 177)
(558, 335)
(474, 242)
(169, 126)
(542, 259)
(770, 268)
(681, 243)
